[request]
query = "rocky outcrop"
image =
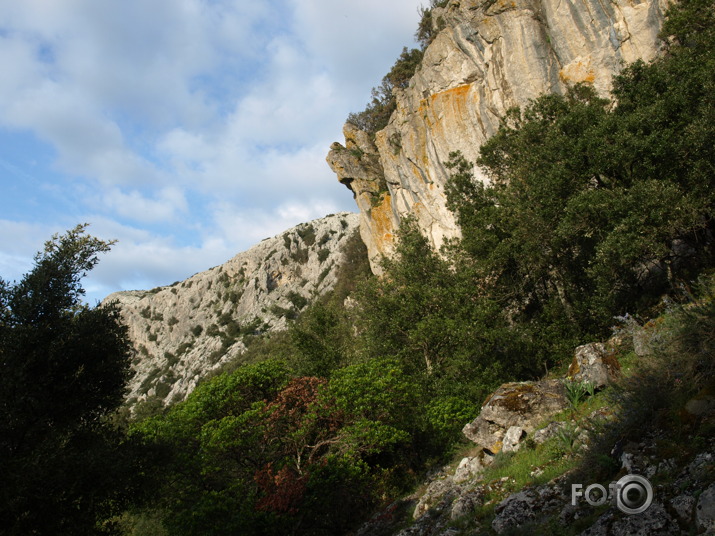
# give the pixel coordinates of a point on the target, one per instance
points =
(184, 331)
(514, 410)
(489, 56)
(358, 167)
(594, 363)
(454, 499)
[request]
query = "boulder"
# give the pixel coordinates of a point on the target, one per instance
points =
(512, 438)
(485, 434)
(705, 510)
(594, 363)
(523, 405)
(528, 506)
(442, 489)
(464, 505)
(469, 468)
(654, 521)
(683, 506)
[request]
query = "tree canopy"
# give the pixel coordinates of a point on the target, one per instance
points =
(63, 369)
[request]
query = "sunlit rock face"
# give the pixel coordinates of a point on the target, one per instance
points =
(488, 57)
(185, 331)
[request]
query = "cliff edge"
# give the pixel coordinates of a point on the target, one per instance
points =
(487, 57)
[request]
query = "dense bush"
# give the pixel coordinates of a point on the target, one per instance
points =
(426, 33)
(435, 319)
(258, 452)
(593, 210)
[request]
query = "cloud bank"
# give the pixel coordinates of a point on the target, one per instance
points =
(187, 129)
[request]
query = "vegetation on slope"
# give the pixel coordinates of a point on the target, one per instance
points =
(668, 430)
(378, 111)
(594, 211)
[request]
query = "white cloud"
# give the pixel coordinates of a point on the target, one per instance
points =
(19, 242)
(240, 230)
(206, 120)
(168, 204)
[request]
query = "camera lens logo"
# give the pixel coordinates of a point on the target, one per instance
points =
(634, 494)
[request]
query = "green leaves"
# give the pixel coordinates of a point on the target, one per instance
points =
(63, 369)
(254, 451)
(594, 211)
(377, 114)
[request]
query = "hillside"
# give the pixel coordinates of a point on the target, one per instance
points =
(520, 315)
(184, 331)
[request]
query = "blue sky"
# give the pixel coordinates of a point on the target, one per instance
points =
(188, 130)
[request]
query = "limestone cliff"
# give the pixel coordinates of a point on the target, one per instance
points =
(489, 56)
(184, 331)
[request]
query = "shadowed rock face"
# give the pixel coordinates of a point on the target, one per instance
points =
(594, 363)
(490, 56)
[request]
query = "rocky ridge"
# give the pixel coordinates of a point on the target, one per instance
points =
(184, 331)
(489, 56)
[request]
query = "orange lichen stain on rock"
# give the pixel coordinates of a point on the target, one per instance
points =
(448, 105)
(576, 72)
(457, 96)
(422, 108)
(383, 227)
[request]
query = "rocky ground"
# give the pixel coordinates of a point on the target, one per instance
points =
(533, 444)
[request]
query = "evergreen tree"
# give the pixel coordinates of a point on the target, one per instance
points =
(63, 369)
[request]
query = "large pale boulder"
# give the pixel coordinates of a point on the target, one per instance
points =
(517, 408)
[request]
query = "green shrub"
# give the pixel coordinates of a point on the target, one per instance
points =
(300, 255)
(183, 348)
(307, 234)
(323, 254)
(171, 359)
(298, 300)
(426, 33)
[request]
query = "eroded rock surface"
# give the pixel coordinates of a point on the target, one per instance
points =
(516, 407)
(184, 331)
(488, 57)
(594, 363)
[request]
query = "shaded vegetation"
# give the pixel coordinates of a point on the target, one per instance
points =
(593, 210)
(66, 468)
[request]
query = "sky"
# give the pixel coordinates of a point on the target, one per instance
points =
(187, 130)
